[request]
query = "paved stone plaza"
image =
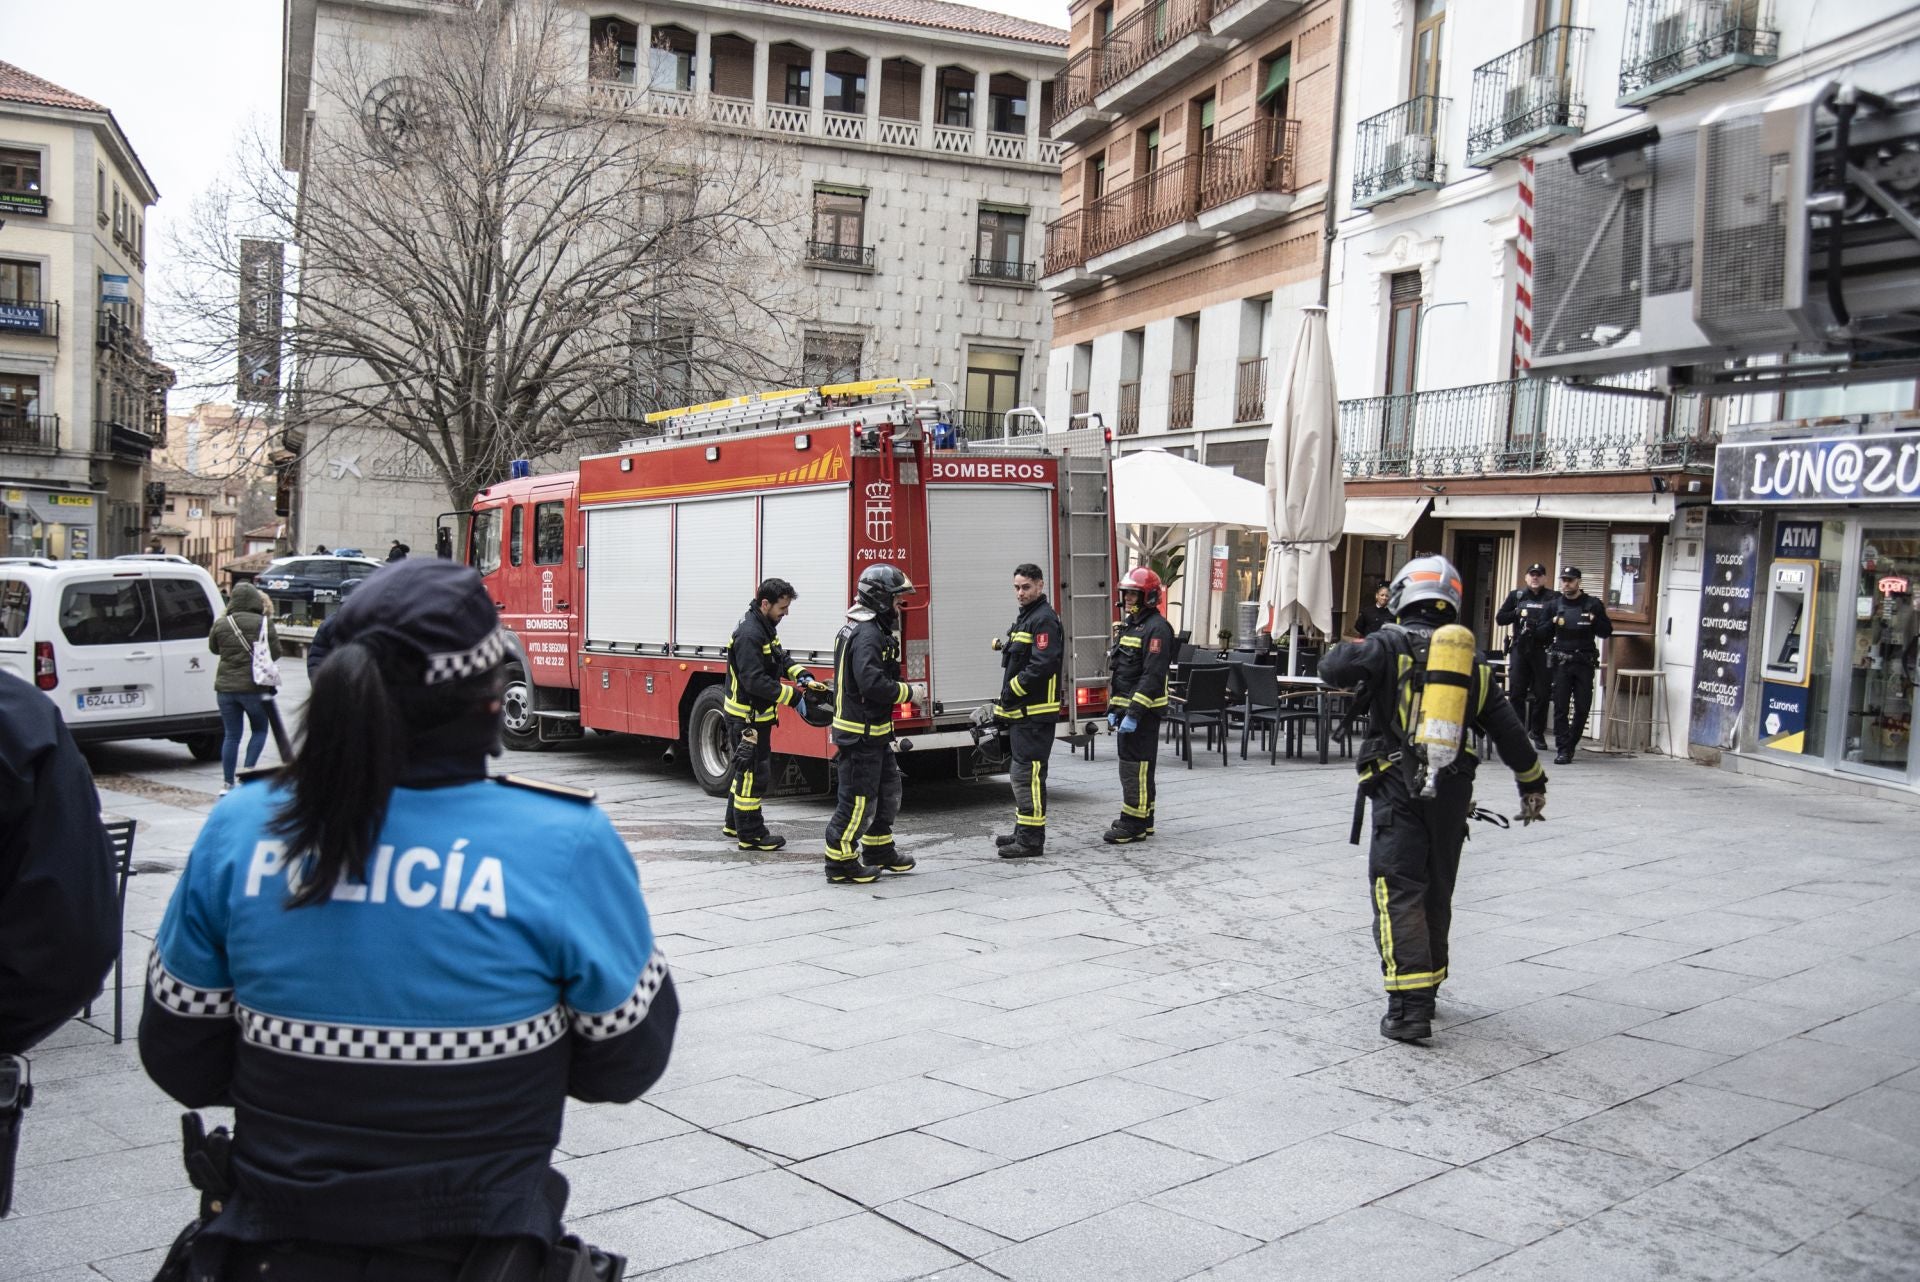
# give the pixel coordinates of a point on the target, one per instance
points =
(1682, 1040)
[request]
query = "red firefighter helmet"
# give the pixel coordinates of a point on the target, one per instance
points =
(1144, 581)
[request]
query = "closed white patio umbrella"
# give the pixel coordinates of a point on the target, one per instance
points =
(1306, 492)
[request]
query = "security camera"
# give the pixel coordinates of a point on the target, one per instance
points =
(1622, 157)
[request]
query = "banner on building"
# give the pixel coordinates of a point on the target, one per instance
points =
(263, 273)
(1882, 468)
(1731, 565)
(115, 289)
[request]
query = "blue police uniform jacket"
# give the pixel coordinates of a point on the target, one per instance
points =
(398, 1057)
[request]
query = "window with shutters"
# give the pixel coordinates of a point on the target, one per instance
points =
(1583, 545)
(1276, 73)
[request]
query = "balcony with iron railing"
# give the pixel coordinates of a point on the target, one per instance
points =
(1397, 152)
(1250, 390)
(1522, 426)
(30, 316)
(1077, 402)
(831, 253)
(29, 433)
(1126, 422)
(1528, 96)
(1673, 44)
(1065, 253)
(1180, 400)
(1156, 47)
(121, 440)
(1146, 221)
(1001, 271)
(1247, 177)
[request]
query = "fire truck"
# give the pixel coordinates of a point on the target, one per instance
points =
(620, 584)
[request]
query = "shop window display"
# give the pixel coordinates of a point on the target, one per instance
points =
(1880, 701)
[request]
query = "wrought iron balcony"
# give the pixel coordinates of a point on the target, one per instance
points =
(1250, 391)
(831, 253)
(1150, 31)
(1258, 158)
(1521, 426)
(1127, 421)
(1180, 400)
(114, 438)
(1003, 270)
(30, 316)
(35, 432)
(1164, 198)
(1398, 152)
(1528, 96)
(1077, 402)
(1065, 245)
(1672, 44)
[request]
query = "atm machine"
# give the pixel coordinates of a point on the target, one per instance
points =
(1786, 650)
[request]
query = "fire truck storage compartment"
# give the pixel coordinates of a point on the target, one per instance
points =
(976, 534)
(803, 539)
(628, 576)
(714, 554)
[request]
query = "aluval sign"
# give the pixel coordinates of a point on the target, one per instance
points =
(1847, 469)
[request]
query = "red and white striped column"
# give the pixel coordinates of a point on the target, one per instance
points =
(1523, 289)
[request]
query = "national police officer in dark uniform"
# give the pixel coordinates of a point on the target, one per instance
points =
(756, 664)
(1029, 706)
(1576, 623)
(1415, 854)
(1527, 610)
(396, 970)
(59, 930)
(866, 689)
(1137, 699)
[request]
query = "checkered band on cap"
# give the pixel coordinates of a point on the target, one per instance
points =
(628, 1015)
(181, 998)
(456, 664)
(314, 1040)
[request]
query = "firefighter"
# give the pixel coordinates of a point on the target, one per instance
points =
(1575, 623)
(1142, 649)
(756, 664)
(867, 687)
(1029, 708)
(1422, 795)
(1527, 611)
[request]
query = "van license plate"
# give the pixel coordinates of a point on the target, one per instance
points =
(112, 700)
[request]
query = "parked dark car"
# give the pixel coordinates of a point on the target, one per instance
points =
(312, 585)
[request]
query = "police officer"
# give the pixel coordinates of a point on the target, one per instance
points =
(1142, 649)
(1415, 854)
(1575, 624)
(1527, 610)
(755, 693)
(396, 970)
(59, 929)
(1029, 706)
(866, 689)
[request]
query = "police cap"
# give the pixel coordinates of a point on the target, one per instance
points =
(1569, 571)
(429, 621)
(1536, 568)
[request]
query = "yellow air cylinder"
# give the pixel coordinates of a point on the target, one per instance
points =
(1443, 703)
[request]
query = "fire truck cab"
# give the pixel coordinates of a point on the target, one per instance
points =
(621, 583)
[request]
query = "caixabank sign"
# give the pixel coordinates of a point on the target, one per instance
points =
(1883, 468)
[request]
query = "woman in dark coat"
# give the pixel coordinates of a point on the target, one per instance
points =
(241, 697)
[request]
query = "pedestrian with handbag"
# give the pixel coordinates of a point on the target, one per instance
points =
(247, 643)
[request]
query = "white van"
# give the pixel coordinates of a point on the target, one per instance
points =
(119, 645)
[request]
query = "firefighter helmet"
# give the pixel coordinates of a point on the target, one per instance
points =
(881, 585)
(1425, 578)
(1144, 581)
(816, 706)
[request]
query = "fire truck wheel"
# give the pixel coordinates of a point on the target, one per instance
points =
(707, 741)
(520, 729)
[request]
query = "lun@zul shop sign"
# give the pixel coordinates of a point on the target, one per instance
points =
(1882, 468)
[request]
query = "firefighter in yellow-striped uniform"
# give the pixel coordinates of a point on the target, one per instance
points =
(1418, 769)
(756, 664)
(1029, 708)
(1142, 651)
(866, 689)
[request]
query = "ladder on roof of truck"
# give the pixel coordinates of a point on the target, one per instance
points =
(792, 405)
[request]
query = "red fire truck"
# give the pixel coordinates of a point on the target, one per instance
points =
(621, 583)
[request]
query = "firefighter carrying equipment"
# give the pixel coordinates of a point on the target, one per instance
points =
(1441, 706)
(756, 662)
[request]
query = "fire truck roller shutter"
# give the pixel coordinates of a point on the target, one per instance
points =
(976, 534)
(627, 579)
(803, 539)
(714, 562)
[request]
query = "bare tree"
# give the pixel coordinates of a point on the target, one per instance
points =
(494, 258)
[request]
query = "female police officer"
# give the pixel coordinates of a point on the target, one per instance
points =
(396, 969)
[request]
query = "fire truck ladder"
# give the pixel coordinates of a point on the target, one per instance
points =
(1086, 522)
(787, 407)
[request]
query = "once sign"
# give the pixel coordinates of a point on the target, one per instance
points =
(1849, 469)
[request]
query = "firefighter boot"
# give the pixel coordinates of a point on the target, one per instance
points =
(885, 856)
(1123, 831)
(851, 872)
(1001, 840)
(762, 841)
(1409, 1016)
(1025, 847)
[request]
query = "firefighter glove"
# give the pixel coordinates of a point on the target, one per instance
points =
(1129, 724)
(918, 691)
(800, 705)
(1113, 721)
(1533, 806)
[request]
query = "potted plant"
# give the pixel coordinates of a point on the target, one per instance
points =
(1226, 640)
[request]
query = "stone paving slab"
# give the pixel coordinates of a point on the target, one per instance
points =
(1658, 1056)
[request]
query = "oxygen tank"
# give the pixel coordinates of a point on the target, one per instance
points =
(1442, 726)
